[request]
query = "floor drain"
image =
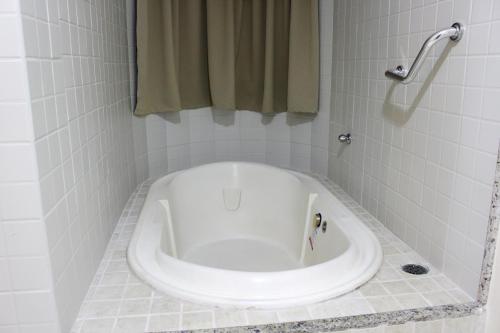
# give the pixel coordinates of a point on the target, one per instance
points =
(415, 269)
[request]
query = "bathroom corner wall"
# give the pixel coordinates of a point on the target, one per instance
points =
(180, 140)
(423, 155)
(67, 153)
(321, 123)
(27, 302)
(138, 123)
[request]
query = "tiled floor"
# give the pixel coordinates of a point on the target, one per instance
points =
(118, 302)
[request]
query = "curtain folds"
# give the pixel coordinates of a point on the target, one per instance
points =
(260, 55)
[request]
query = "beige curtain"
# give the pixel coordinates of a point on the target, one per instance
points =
(260, 55)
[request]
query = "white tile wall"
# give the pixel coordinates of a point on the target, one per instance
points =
(192, 137)
(423, 155)
(77, 64)
(66, 153)
(320, 125)
(26, 303)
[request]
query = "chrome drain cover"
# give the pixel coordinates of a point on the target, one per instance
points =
(415, 269)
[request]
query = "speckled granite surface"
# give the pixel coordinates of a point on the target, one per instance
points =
(395, 318)
(491, 239)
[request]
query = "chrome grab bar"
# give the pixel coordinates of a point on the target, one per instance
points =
(399, 73)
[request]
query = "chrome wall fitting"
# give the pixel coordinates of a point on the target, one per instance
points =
(345, 138)
(317, 220)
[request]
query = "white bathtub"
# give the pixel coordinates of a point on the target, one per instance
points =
(237, 234)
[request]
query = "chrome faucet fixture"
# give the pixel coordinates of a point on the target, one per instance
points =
(345, 138)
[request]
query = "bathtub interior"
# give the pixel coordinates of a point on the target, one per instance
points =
(245, 218)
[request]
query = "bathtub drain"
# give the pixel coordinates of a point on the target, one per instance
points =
(415, 269)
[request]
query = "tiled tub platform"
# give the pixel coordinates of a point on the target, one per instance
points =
(118, 302)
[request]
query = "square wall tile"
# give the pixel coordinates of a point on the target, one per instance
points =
(30, 273)
(25, 238)
(35, 307)
(17, 163)
(16, 87)
(20, 201)
(8, 313)
(5, 284)
(10, 37)
(9, 6)
(15, 123)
